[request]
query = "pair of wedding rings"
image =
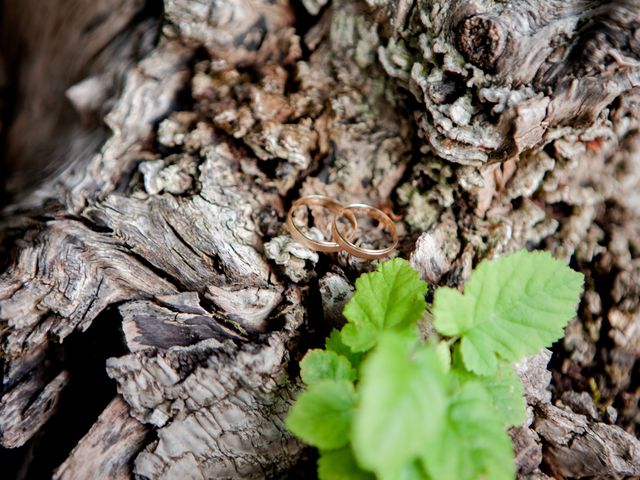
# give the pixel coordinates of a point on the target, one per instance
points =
(342, 241)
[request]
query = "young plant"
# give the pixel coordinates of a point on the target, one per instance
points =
(382, 403)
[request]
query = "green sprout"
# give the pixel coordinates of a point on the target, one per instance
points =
(380, 402)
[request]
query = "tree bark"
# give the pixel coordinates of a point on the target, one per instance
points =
(152, 156)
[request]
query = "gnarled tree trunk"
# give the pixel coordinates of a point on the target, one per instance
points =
(153, 307)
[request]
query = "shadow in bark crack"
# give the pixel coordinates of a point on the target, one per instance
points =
(83, 399)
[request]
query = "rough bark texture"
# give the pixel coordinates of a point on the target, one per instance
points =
(105, 452)
(485, 126)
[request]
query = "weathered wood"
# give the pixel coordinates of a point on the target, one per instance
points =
(572, 445)
(209, 400)
(497, 78)
(576, 447)
(237, 32)
(177, 219)
(28, 406)
(106, 451)
(97, 43)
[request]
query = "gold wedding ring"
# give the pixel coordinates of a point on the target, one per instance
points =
(319, 201)
(342, 241)
(347, 244)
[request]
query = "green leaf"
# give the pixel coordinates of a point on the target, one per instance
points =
(444, 355)
(390, 298)
(474, 443)
(511, 307)
(409, 471)
(318, 365)
(321, 416)
(402, 407)
(506, 392)
(340, 465)
(334, 343)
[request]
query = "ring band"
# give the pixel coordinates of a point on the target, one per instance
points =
(320, 201)
(366, 253)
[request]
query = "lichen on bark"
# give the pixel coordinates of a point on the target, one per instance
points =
(483, 126)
